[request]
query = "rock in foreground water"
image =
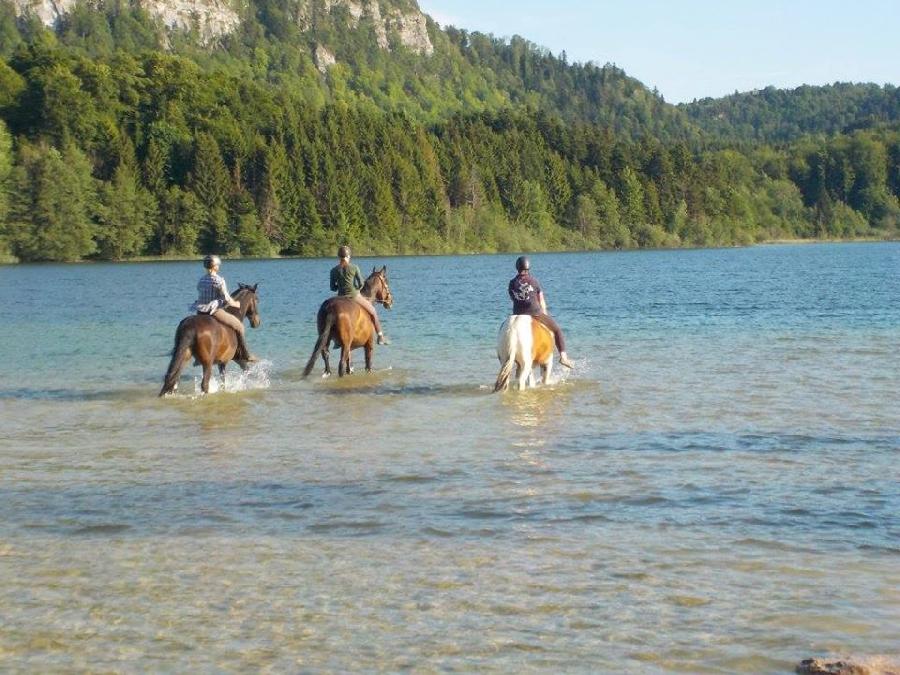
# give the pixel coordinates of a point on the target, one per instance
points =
(875, 665)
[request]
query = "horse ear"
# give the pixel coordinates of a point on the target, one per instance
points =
(254, 287)
(374, 269)
(241, 285)
(384, 269)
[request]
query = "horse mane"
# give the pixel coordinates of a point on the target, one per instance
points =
(244, 287)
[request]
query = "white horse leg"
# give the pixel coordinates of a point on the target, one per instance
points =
(526, 374)
(546, 369)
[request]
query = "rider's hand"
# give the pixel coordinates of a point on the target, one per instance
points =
(235, 304)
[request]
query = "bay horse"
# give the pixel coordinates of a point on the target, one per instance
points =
(343, 321)
(210, 341)
(523, 342)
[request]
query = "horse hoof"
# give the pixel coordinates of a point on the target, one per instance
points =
(326, 375)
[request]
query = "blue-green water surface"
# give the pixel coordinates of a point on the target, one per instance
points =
(715, 488)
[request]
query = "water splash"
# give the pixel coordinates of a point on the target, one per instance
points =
(257, 376)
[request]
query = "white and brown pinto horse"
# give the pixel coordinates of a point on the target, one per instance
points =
(525, 343)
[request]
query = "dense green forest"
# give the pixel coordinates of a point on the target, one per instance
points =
(773, 115)
(120, 139)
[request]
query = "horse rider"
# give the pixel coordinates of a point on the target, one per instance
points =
(212, 300)
(347, 281)
(528, 298)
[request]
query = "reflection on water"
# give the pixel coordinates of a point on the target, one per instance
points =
(713, 489)
(531, 408)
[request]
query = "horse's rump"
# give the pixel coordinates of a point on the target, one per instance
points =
(350, 321)
(523, 342)
(205, 338)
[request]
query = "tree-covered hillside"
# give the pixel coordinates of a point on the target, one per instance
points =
(119, 138)
(773, 115)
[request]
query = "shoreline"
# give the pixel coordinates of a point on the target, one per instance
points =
(12, 261)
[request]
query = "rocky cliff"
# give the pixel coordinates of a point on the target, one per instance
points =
(214, 18)
(409, 26)
(211, 18)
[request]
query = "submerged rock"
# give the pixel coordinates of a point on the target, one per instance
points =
(872, 665)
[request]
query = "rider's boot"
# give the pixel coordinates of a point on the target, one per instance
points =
(382, 340)
(564, 360)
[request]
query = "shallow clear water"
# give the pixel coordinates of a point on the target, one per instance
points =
(714, 489)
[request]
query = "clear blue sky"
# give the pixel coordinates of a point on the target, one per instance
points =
(696, 48)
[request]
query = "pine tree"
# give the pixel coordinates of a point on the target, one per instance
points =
(209, 182)
(5, 170)
(51, 216)
(125, 215)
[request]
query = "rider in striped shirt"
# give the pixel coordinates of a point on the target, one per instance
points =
(213, 299)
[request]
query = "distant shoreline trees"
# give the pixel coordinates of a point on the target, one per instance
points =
(112, 149)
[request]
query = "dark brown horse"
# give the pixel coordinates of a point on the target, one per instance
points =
(346, 323)
(210, 341)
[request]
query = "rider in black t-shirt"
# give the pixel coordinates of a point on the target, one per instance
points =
(528, 298)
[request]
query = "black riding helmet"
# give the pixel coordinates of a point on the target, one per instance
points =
(523, 263)
(344, 252)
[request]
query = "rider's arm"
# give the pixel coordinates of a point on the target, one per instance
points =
(231, 302)
(357, 279)
(542, 301)
(334, 279)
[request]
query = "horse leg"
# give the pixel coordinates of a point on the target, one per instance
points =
(207, 373)
(344, 363)
(369, 348)
(526, 375)
(350, 363)
(222, 374)
(325, 357)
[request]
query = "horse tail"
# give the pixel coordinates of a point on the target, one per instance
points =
(508, 343)
(180, 353)
(324, 336)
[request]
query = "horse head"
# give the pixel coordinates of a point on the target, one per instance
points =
(377, 289)
(246, 295)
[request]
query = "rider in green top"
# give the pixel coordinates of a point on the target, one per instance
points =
(347, 281)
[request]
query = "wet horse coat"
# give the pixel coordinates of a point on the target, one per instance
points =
(343, 321)
(209, 341)
(525, 343)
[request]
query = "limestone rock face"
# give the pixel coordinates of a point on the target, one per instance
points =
(324, 58)
(212, 18)
(410, 27)
(215, 18)
(412, 30)
(48, 11)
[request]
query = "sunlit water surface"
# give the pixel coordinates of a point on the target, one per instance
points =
(715, 488)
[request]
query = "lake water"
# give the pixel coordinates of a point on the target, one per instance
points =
(715, 488)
